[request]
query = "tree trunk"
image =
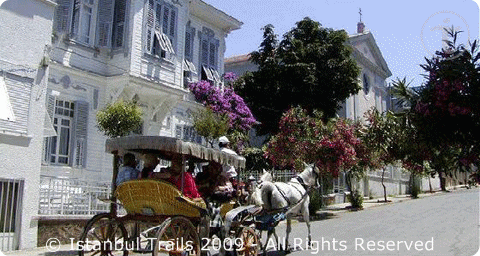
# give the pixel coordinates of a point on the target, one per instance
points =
(441, 175)
(430, 184)
(384, 187)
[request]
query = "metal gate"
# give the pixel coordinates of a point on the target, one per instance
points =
(11, 192)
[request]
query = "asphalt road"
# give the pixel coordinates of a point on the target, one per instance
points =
(443, 224)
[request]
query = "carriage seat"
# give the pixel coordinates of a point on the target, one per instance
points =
(156, 197)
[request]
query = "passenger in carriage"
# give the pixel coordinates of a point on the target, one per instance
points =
(129, 169)
(213, 184)
(173, 174)
(150, 162)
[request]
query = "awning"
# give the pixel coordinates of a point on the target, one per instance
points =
(164, 42)
(167, 147)
(189, 66)
(48, 130)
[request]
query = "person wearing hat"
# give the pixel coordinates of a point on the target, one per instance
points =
(228, 170)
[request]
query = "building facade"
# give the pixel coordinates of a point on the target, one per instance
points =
(142, 50)
(26, 28)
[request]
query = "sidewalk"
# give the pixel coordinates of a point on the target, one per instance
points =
(331, 210)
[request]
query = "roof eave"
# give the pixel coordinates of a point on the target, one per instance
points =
(214, 16)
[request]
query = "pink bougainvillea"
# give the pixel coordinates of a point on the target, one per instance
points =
(224, 101)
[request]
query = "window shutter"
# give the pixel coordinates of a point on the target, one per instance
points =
(119, 23)
(173, 18)
(204, 52)
(79, 141)
(189, 42)
(105, 22)
(149, 23)
(212, 55)
(166, 14)
(62, 16)
(75, 26)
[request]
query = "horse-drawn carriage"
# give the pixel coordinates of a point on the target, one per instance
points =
(160, 220)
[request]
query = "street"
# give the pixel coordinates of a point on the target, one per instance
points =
(443, 224)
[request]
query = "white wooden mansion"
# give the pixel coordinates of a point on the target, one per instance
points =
(63, 60)
(374, 72)
(106, 50)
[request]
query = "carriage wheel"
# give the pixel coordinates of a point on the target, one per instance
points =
(251, 243)
(103, 235)
(177, 236)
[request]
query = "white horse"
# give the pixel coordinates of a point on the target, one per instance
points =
(255, 196)
(291, 197)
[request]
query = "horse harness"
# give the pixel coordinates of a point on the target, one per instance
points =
(305, 186)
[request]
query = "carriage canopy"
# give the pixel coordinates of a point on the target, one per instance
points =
(168, 146)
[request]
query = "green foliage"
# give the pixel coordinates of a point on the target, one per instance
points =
(255, 160)
(315, 202)
(311, 67)
(210, 125)
(119, 118)
(414, 186)
(356, 199)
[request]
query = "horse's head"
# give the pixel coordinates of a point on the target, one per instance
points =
(310, 175)
(266, 176)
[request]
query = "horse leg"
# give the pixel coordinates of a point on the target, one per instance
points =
(265, 246)
(279, 245)
(306, 217)
(289, 229)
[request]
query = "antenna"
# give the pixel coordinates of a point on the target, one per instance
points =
(360, 12)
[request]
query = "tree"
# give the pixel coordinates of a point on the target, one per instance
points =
(301, 138)
(210, 125)
(311, 67)
(119, 118)
(445, 111)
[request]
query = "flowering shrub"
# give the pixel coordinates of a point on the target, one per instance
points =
(230, 77)
(446, 99)
(332, 146)
(224, 101)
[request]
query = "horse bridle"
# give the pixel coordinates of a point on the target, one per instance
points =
(304, 185)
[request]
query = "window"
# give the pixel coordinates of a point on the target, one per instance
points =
(366, 84)
(209, 56)
(6, 111)
(59, 146)
(187, 133)
(69, 119)
(160, 29)
(78, 19)
(15, 101)
(119, 23)
(11, 193)
(82, 21)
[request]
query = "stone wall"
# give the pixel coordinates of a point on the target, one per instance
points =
(62, 229)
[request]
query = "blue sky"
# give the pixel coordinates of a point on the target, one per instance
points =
(405, 31)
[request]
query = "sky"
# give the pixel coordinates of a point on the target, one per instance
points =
(405, 31)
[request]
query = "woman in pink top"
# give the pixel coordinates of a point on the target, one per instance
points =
(173, 175)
